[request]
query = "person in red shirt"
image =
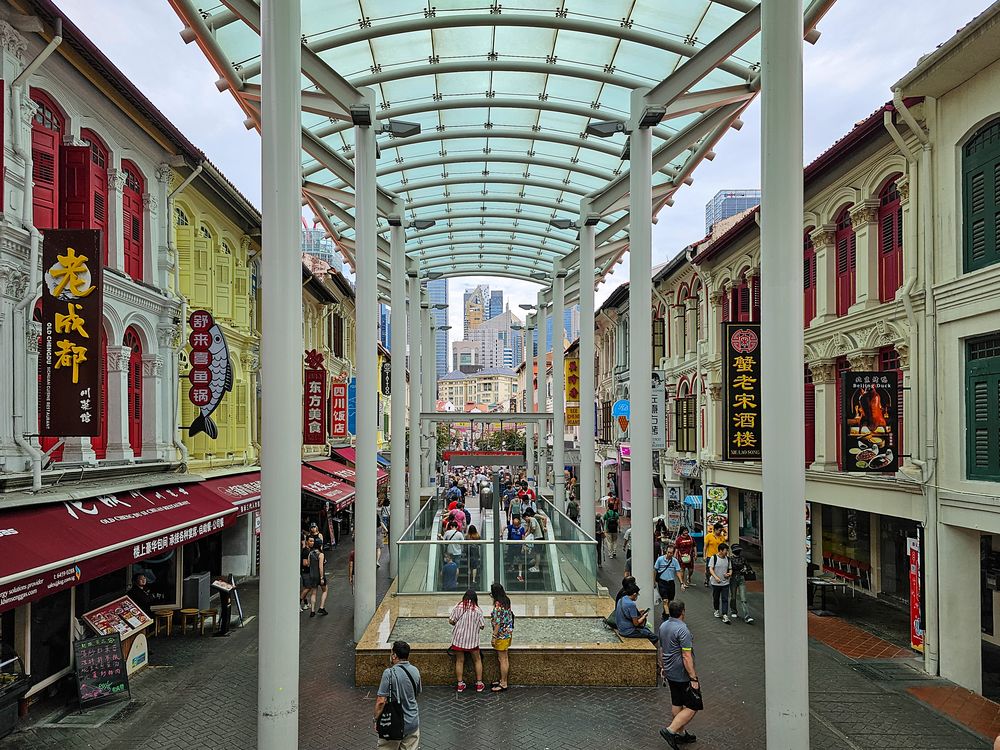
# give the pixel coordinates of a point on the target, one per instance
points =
(685, 549)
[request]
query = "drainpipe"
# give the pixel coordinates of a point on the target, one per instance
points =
(929, 395)
(175, 354)
(21, 324)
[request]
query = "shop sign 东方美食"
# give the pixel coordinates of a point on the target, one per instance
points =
(870, 421)
(741, 392)
(70, 391)
(314, 400)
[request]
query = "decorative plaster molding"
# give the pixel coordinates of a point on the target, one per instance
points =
(903, 350)
(28, 108)
(118, 358)
(116, 179)
(12, 40)
(823, 237)
(168, 335)
(715, 392)
(824, 371)
(32, 336)
(903, 186)
(72, 140)
(865, 359)
(151, 203)
(13, 281)
(251, 359)
(164, 173)
(152, 365)
(865, 212)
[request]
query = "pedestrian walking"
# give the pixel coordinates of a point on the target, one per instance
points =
(309, 573)
(475, 554)
(502, 619)
(742, 572)
(515, 552)
(720, 570)
(679, 671)
(455, 537)
(666, 571)
(449, 573)
(684, 548)
(400, 684)
(611, 521)
(599, 535)
(716, 536)
(467, 620)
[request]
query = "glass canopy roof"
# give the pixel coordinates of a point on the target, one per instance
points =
(503, 93)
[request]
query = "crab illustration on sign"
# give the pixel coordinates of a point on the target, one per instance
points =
(211, 372)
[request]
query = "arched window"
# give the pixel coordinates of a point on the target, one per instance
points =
(132, 219)
(181, 218)
(134, 396)
(846, 245)
(890, 242)
(809, 276)
(204, 232)
(981, 197)
(46, 138)
(98, 187)
(740, 308)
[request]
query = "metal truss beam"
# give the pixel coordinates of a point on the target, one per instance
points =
(454, 247)
(515, 216)
(497, 198)
(550, 236)
(536, 182)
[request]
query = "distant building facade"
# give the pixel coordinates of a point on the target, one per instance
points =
(728, 203)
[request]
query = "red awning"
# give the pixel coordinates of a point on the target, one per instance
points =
(348, 454)
(242, 490)
(48, 548)
(326, 487)
(334, 469)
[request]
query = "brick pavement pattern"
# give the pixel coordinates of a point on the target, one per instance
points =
(207, 698)
(963, 706)
(852, 641)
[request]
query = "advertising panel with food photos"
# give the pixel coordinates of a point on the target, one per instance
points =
(870, 422)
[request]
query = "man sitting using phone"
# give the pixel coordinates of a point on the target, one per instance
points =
(630, 621)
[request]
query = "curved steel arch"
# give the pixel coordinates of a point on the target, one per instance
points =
(497, 198)
(494, 258)
(536, 182)
(487, 228)
(457, 20)
(501, 242)
(464, 272)
(486, 268)
(543, 219)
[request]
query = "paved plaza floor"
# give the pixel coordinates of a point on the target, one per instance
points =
(202, 693)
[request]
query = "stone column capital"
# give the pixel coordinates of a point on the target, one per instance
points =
(12, 40)
(823, 371)
(164, 173)
(863, 359)
(118, 358)
(116, 179)
(903, 186)
(152, 365)
(864, 212)
(823, 237)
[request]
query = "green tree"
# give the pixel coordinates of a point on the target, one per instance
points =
(502, 440)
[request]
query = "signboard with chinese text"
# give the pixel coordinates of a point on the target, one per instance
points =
(916, 622)
(211, 374)
(70, 391)
(314, 400)
(870, 421)
(572, 416)
(741, 392)
(100, 670)
(385, 384)
(571, 371)
(338, 410)
(658, 411)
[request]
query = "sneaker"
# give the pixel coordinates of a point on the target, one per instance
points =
(480, 687)
(725, 619)
(686, 738)
(460, 688)
(534, 569)
(520, 579)
(672, 739)
(748, 619)
(312, 614)
(303, 605)
(715, 613)
(322, 611)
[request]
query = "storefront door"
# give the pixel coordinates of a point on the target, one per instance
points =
(50, 635)
(894, 557)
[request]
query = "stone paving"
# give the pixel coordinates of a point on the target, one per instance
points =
(206, 697)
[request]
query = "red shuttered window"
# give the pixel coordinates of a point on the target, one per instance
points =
(99, 159)
(132, 215)
(131, 340)
(846, 246)
(45, 442)
(890, 242)
(46, 138)
(809, 277)
(810, 411)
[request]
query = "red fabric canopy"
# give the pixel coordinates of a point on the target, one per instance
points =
(326, 487)
(242, 490)
(334, 469)
(47, 548)
(348, 454)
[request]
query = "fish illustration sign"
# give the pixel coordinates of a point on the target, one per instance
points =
(211, 374)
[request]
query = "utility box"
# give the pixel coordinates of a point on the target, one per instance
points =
(196, 591)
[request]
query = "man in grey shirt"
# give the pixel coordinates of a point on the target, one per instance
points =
(679, 671)
(720, 571)
(404, 681)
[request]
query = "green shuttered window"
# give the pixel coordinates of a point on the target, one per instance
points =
(982, 396)
(981, 197)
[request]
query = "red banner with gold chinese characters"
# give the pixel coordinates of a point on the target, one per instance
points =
(741, 370)
(314, 400)
(70, 391)
(338, 410)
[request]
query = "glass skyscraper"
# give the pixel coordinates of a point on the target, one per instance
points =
(728, 203)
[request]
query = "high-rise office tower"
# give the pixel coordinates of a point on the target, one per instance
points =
(496, 303)
(317, 244)
(728, 203)
(476, 308)
(384, 326)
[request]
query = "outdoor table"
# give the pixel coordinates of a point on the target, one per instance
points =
(822, 584)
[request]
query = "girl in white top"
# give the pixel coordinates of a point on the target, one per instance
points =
(467, 619)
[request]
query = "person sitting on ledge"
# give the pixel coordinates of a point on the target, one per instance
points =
(630, 621)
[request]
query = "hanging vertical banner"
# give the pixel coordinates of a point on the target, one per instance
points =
(70, 391)
(211, 374)
(338, 410)
(659, 411)
(352, 403)
(386, 382)
(741, 370)
(871, 409)
(916, 623)
(571, 372)
(314, 400)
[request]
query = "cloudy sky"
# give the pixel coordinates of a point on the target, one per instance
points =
(865, 47)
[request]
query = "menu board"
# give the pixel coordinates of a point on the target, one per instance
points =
(100, 670)
(122, 616)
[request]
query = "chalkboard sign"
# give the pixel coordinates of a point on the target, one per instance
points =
(100, 670)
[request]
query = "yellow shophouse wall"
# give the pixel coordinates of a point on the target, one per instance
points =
(214, 257)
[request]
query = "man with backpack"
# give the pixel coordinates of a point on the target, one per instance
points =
(400, 684)
(611, 521)
(720, 571)
(742, 572)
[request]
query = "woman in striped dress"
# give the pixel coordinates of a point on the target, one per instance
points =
(467, 619)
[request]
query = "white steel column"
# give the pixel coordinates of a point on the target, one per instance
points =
(541, 402)
(427, 366)
(786, 664)
(640, 343)
(431, 393)
(281, 376)
(588, 362)
(397, 415)
(558, 391)
(366, 229)
(413, 336)
(529, 400)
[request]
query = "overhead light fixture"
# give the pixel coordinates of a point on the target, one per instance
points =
(444, 328)
(435, 275)
(395, 221)
(526, 306)
(562, 223)
(401, 128)
(605, 128)
(592, 220)
(652, 116)
(541, 275)
(422, 223)
(361, 115)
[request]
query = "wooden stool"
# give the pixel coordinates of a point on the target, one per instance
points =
(205, 614)
(164, 617)
(190, 617)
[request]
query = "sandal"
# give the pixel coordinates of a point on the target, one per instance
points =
(480, 687)
(498, 688)
(460, 688)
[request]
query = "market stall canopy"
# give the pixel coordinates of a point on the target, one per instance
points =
(55, 547)
(325, 487)
(693, 501)
(334, 469)
(242, 490)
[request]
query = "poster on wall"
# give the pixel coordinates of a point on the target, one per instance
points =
(70, 391)
(741, 392)
(658, 411)
(870, 421)
(916, 623)
(674, 507)
(717, 506)
(211, 373)
(314, 400)
(338, 410)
